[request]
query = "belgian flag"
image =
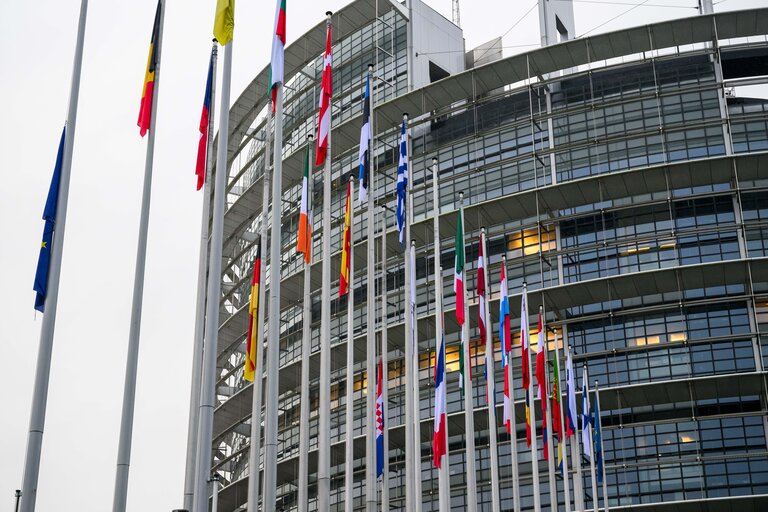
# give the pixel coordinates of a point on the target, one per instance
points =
(147, 93)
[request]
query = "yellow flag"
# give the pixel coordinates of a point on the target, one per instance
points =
(224, 24)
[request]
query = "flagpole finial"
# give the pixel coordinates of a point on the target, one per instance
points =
(351, 178)
(434, 160)
(329, 14)
(413, 243)
(370, 68)
(215, 41)
(405, 116)
(310, 137)
(482, 229)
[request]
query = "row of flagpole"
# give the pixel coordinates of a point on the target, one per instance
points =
(204, 377)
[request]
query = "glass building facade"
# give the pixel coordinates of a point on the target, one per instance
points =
(627, 188)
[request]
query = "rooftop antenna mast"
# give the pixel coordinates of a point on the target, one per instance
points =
(456, 17)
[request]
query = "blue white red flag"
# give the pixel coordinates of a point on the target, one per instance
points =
(439, 444)
(402, 183)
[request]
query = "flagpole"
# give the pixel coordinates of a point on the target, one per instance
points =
(410, 448)
(254, 451)
(370, 464)
(543, 345)
(349, 478)
(28, 495)
(513, 421)
(469, 418)
(208, 391)
(444, 477)
(606, 508)
(564, 440)
(199, 336)
(532, 411)
(385, 376)
(131, 366)
(593, 472)
(324, 424)
(578, 489)
(490, 382)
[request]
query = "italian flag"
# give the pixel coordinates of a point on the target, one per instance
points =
(458, 288)
(304, 244)
(278, 50)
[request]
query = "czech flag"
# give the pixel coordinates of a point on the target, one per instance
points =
(202, 145)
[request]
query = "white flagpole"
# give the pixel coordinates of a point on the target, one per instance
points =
(385, 373)
(202, 271)
(444, 472)
(28, 495)
(132, 358)
(532, 409)
(593, 473)
(606, 507)
(306, 352)
(208, 390)
(324, 413)
(410, 447)
(578, 489)
(349, 476)
(513, 434)
(543, 345)
(469, 410)
(370, 461)
(254, 452)
(491, 382)
(566, 482)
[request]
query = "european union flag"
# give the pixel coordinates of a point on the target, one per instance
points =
(49, 216)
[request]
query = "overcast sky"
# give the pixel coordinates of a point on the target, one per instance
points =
(90, 343)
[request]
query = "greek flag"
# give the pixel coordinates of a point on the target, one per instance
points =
(402, 184)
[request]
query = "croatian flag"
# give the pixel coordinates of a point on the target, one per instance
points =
(364, 154)
(379, 422)
(402, 183)
(505, 335)
(440, 430)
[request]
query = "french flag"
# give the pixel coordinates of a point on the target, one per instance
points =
(202, 146)
(439, 447)
(379, 422)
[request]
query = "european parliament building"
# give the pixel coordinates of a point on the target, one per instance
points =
(625, 178)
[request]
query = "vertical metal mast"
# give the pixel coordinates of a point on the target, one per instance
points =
(531, 400)
(385, 377)
(456, 18)
(566, 482)
(202, 272)
(132, 358)
(324, 424)
(208, 390)
(410, 448)
(349, 476)
(43, 367)
(513, 421)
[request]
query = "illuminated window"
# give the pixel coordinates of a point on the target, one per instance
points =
(528, 241)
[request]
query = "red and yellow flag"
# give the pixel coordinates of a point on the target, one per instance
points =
(253, 318)
(347, 247)
(147, 92)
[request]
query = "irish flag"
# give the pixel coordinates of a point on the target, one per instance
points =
(458, 288)
(278, 52)
(304, 244)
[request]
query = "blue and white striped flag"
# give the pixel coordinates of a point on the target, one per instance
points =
(365, 142)
(402, 183)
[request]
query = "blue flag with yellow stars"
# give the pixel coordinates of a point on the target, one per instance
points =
(49, 216)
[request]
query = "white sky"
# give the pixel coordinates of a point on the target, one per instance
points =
(86, 383)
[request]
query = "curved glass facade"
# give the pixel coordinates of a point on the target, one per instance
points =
(631, 197)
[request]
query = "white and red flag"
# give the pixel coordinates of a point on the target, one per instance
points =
(326, 92)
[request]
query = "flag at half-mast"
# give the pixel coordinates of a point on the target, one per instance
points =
(277, 66)
(525, 342)
(304, 244)
(380, 420)
(251, 348)
(402, 183)
(505, 337)
(439, 444)
(483, 305)
(49, 216)
(148, 90)
(202, 145)
(597, 435)
(346, 249)
(365, 144)
(224, 22)
(326, 92)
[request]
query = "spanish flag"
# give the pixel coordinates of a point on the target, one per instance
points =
(253, 318)
(224, 23)
(346, 250)
(147, 93)
(305, 228)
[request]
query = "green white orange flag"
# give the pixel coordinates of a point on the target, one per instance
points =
(277, 67)
(224, 23)
(304, 244)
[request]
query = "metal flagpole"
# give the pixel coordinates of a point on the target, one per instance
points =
(132, 358)
(28, 491)
(548, 414)
(214, 481)
(444, 475)
(566, 482)
(306, 352)
(513, 433)
(254, 452)
(385, 376)
(606, 508)
(416, 426)
(208, 391)
(469, 418)
(593, 473)
(532, 410)
(324, 424)
(491, 383)
(202, 271)
(349, 477)
(578, 485)
(370, 317)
